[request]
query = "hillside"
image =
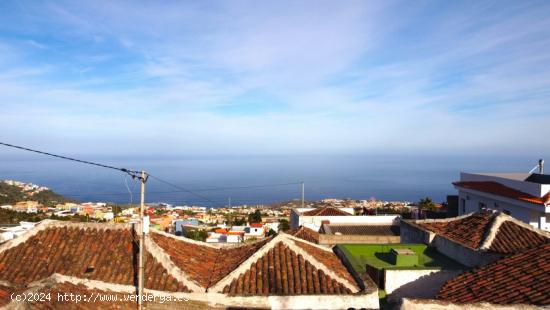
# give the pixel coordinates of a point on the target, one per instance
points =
(10, 194)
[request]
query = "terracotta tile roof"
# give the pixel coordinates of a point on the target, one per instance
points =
(364, 230)
(81, 290)
(468, 231)
(205, 265)
(97, 256)
(520, 278)
(326, 211)
(513, 238)
(107, 255)
(283, 272)
(329, 259)
(496, 188)
(305, 234)
(509, 235)
(256, 225)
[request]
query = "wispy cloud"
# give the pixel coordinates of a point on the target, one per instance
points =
(319, 76)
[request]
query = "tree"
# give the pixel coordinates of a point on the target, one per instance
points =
(426, 204)
(283, 225)
(270, 233)
(116, 209)
(255, 217)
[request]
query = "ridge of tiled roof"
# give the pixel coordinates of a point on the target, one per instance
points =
(326, 211)
(467, 230)
(305, 233)
(203, 264)
(498, 189)
(281, 271)
(488, 231)
(312, 254)
(95, 252)
(522, 278)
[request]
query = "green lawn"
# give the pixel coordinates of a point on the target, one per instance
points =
(378, 256)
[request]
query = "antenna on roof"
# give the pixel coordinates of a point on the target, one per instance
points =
(540, 166)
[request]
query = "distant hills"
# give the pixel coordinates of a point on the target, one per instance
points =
(11, 194)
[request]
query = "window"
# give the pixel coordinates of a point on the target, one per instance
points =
(507, 212)
(463, 205)
(482, 206)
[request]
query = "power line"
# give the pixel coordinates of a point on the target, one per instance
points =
(185, 190)
(132, 173)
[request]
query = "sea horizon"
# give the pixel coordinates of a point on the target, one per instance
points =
(264, 179)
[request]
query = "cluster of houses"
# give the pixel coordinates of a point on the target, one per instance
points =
(28, 188)
(94, 210)
(237, 234)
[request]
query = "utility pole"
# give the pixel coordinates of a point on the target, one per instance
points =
(141, 275)
(303, 189)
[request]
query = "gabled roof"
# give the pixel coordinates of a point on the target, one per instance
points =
(203, 264)
(326, 211)
(103, 257)
(281, 271)
(94, 252)
(498, 189)
(522, 278)
(495, 232)
(306, 234)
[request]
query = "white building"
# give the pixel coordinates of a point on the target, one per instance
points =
(254, 231)
(523, 196)
(315, 218)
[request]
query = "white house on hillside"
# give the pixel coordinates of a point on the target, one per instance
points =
(523, 196)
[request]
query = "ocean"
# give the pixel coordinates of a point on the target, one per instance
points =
(214, 179)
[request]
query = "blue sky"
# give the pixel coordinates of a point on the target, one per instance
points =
(214, 77)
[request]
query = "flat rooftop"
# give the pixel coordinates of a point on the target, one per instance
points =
(360, 230)
(379, 256)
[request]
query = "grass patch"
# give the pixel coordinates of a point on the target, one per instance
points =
(378, 256)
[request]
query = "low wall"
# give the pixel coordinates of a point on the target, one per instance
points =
(465, 256)
(416, 283)
(416, 304)
(341, 239)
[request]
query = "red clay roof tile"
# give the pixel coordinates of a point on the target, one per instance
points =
(326, 211)
(520, 278)
(305, 234)
(468, 231)
(282, 272)
(496, 188)
(205, 265)
(107, 255)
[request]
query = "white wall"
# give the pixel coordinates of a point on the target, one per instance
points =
(361, 301)
(411, 304)
(413, 283)
(315, 222)
(519, 210)
(527, 187)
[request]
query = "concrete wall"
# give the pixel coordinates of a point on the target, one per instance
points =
(340, 239)
(416, 283)
(465, 256)
(410, 233)
(315, 222)
(528, 213)
(415, 304)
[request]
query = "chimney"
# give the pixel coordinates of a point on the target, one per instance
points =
(541, 166)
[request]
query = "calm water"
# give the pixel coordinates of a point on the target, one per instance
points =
(358, 177)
